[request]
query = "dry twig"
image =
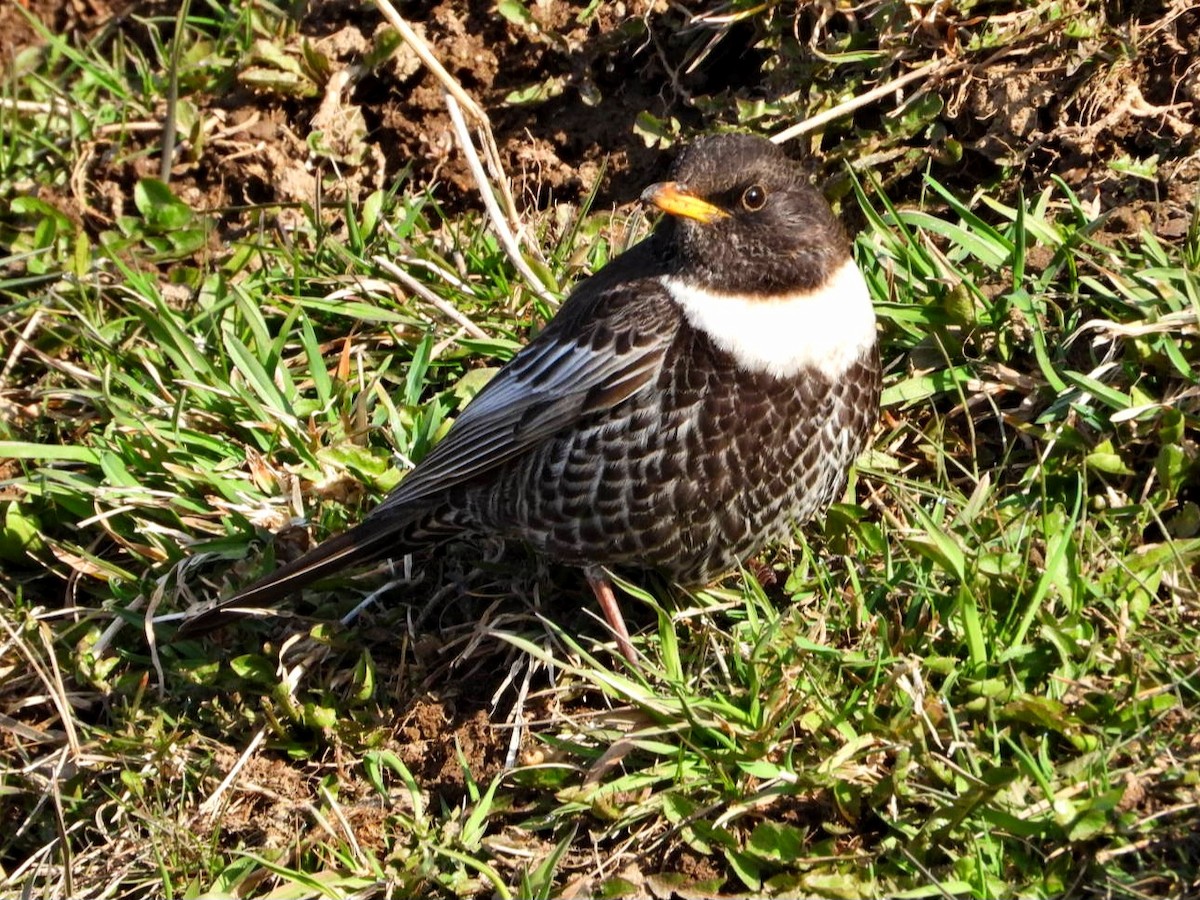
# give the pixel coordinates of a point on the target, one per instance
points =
(814, 123)
(503, 212)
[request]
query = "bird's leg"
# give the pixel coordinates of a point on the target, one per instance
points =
(602, 588)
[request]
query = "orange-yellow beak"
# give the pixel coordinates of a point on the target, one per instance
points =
(673, 198)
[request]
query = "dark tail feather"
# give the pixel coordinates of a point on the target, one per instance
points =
(364, 542)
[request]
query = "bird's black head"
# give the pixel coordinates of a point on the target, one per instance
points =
(745, 220)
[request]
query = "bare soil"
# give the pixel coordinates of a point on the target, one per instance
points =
(1054, 105)
(17, 32)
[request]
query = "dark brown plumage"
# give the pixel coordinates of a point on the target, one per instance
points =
(688, 403)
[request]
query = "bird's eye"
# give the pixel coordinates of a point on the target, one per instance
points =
(754, 197)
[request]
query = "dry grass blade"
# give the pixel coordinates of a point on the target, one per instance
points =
(426, 55)
(930, 73)
(503, 231)
(444, 306)
(53, 681)
(213, 803)
(22, 342)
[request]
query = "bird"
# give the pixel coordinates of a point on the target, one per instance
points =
(692, 401)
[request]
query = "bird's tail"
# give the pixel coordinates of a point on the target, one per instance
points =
(359, 544)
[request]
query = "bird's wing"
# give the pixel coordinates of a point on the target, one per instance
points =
(599, 350)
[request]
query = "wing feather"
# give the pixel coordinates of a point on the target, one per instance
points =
(594, 360)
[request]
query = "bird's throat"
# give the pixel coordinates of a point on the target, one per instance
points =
(827, 329)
